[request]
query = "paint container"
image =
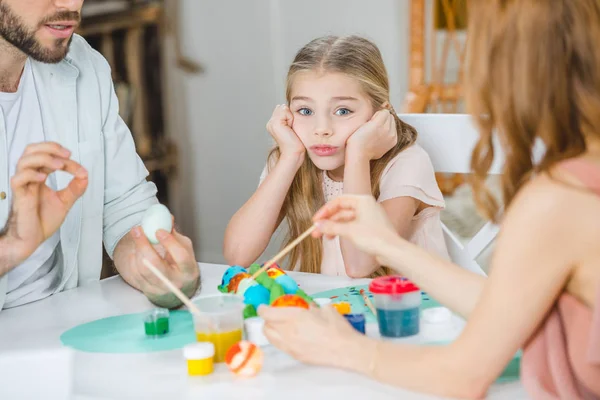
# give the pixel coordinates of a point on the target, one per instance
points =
(199, 357)
(156, 322)
(437, 315)
(254, 331)
(322, 301)
(343, 307)
(357, 321)
(397, 302)
(221, 322)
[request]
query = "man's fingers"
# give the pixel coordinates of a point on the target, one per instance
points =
(40, 160)
(26, 177)
(178, 252)
(73, 191)
(49, 163)
(145, 250)
(51, 148)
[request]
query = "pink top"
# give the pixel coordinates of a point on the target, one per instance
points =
(408, 174)
(562, 359)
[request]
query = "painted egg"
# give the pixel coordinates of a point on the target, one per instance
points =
(244, 359)
(274, 272)
(256, 295)
(288, 283)
(230, 273)
(156, 217)
(290, 300)
(244, 285)
(232, 286)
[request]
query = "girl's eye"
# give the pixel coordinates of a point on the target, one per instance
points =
(343, 111)
(305, 111)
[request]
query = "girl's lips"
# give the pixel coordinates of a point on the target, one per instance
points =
(324, 150)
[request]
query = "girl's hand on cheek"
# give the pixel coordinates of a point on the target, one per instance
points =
(280, 128)
(374, 138)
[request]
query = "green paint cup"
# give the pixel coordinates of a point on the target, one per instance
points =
(156, 322)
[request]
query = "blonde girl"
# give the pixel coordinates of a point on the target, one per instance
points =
(337, 135)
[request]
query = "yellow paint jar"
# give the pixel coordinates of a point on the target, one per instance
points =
(221, 341)
(343, 307)
(199, 357)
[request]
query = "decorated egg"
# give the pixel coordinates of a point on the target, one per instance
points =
(230, 273)
(288, 283)
(244, 285)
(155, 218)
(244, 359)
(274, 272)
(290, 300)
(232, 286)
(257, 295)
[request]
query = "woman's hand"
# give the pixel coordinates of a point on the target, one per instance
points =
(318, 336)
(360, 219)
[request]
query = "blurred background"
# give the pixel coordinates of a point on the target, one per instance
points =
(197, 81)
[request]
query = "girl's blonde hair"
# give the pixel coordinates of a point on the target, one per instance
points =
(360, 59)
(533, 74)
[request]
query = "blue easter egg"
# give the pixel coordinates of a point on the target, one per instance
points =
(257, 295)
(230, 273)
(288, 284)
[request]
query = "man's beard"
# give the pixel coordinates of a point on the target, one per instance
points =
(14, 31)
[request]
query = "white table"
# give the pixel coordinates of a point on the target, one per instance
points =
(35, 330)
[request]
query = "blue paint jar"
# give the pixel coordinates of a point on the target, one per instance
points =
(398, 305)
(357, 321)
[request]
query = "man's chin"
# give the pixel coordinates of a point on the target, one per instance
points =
(52, 54)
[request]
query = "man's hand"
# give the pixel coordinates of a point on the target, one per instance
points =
(37, 210)
(174, 257)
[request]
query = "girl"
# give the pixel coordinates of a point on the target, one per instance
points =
(338, 113)
(534, 73)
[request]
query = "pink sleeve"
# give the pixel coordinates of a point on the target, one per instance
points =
(410, 174)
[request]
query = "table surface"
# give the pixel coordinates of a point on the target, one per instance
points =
(31, 353)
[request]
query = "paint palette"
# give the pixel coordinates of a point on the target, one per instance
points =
(351, 294)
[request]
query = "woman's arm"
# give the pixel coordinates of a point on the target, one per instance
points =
(535, 255)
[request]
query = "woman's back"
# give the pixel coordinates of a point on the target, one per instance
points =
(562, 359)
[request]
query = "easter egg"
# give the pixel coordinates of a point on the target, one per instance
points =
(244, 359)
(244, 285)
(232, 286)
(290, 300)
(288, 283)
(156, 217)
(256, 295)
(274, 272)
(230, 273)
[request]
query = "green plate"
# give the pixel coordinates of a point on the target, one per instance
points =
(125, 334)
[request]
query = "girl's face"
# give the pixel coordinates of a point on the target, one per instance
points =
(328, 108)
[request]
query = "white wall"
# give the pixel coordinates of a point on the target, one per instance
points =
(218, 118)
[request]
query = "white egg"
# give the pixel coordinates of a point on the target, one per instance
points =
(244, 285)
(156, 217)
